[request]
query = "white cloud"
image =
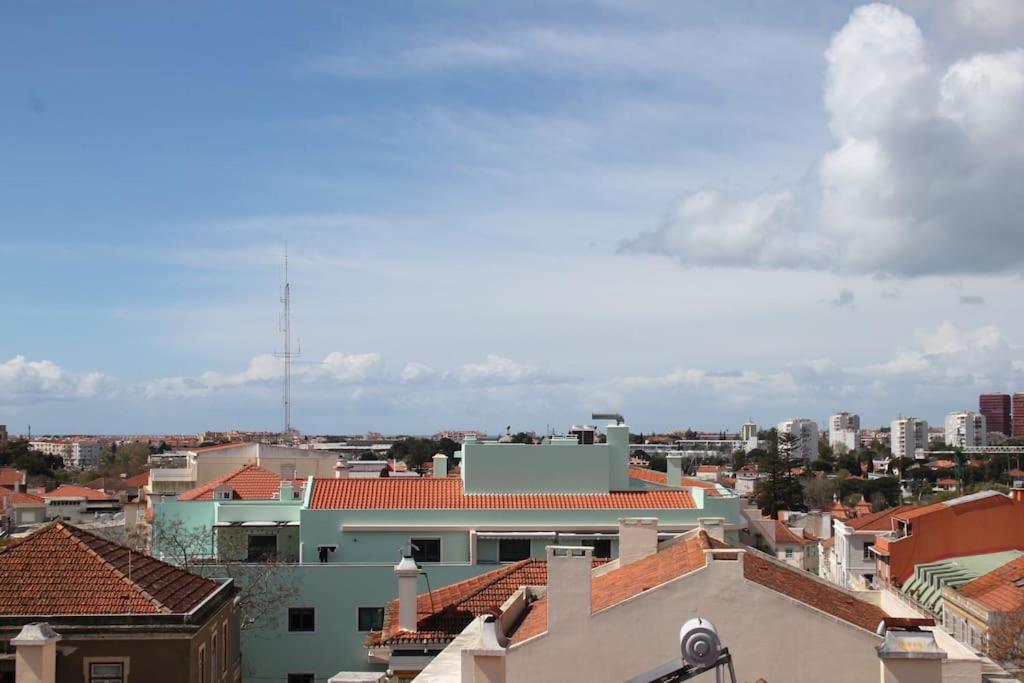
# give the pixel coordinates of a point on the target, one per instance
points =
(989, 18)
(925, 176)
(23, 380)
(418, 372)
(497, 370)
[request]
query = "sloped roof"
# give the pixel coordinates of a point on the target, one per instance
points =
(10, 476)
(656, 477)
(442, 616)
(222, 446)
(783, 534)
(686, 555)
(71, 491)
(64, 570)
(1000, 590)
(250, 482)
(445, 493)
(139, 480)
(878, 521)
(19, 497)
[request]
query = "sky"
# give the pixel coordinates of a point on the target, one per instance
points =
(508, 214)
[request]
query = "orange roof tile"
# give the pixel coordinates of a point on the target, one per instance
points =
(10, 476)
(71, 491)
(18, 497)
(61, 570)
(998, 590)
(687, 555)
(656, 477)
(428, 493)
(249, 482)
(783, 534)
(878, 521)
(139, 480)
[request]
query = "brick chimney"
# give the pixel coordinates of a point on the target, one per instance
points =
(36, 658)
(638, 538)
(407, 572)
(568, 591)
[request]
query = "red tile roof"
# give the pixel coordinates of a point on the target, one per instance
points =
(250, 482)
(998, 590)
(687, 555)
(656, 477)
(71, 491)
(428, 493)
(10, 476)
(18, 497)
(138, 481)
(62, 570)
(878, 521)
(444, 614)
(783, 534)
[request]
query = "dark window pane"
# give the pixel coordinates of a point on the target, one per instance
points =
(602, 547)
(513, 549)
(426, 549)
(261, 548)
(371, 618)
(301, 619)
(300, 678)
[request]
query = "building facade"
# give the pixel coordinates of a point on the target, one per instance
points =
(966, 429)
(806, 433)
(996, 409)
(1017, 415)
(907, 435)
(844, 431)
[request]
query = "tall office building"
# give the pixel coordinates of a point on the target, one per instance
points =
(908, 434)
(1018, 415)
(996, 409)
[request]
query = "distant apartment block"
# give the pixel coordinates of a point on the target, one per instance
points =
(844, 431)
(908, 434)
(966, 429)
(1017, 403)
(996, 409)
(806, 433)
(458, 435)
(80, 455)
(748, 431)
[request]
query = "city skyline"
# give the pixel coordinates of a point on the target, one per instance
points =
(491, 221)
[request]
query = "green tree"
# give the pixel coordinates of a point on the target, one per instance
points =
(780, 490)
(658, 463)
(739, 459)
(522, 437)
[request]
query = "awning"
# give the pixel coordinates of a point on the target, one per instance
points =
(254, 524)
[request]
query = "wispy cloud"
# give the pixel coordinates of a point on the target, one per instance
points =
(972, 300)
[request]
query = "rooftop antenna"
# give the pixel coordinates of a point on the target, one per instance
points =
(287, 354)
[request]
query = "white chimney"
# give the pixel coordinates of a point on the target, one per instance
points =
(341, 469)
(638, 538)
(36, 657)
(286, 490)
(674, 470)
(484, 660)
(568, 591)
(441, 465)
(713, 527)
(908, 653)
(407, 572)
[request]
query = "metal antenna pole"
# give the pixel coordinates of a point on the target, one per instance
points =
(287, 355)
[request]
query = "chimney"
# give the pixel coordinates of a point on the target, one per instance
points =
(674, 470)
(286, 490)
(341, 469)
(441, 465)
(484, 660)
(638, 538)
(568, 591)
(617, 437)
(407, 572)
(713, 527)
(36, 657)
(908, 653)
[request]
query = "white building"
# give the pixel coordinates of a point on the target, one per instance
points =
(851, 562)
(748, 431)
(806, 433)
(965, 429)
(844, 431)
(75, 454)
(908, 434)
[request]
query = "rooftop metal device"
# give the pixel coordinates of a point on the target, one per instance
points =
(608, 416)
(701, 651)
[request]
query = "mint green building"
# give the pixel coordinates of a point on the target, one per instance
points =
(340, 538)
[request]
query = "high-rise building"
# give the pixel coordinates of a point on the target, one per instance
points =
(844, 431)
(806, 433)
(965, 429)
(1018, 415)
(3, 434)
(748, 431)
(908, 434)
(996, 409)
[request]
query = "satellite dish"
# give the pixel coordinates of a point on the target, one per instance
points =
(699, 642)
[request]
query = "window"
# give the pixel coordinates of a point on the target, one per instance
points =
(202, 664)
(301, 619)
(513, 549)
(371, 618)
(602, 547)
(426, 549)
(224, 640)
(789, 553)
(106, 672)
(300, 678)
(261, 548)
(868, 555)
(213, 653)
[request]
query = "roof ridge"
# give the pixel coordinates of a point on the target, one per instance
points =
(73, 533)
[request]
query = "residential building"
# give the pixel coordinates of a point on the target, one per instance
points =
(996, 409)
(121, 616)
(19, 510)
(12, 478)
(851, 562)
(806, 434)
(78, 503)
(746, 480)
(971, 608)
(748, 431)
(457, 435)
(1017, 414)
(577, 626)
(966, 429)
(984, 522)
(76, 454)
(786, 544)
(507, 503)
(708, 472)
(844, 432)
(907, 435)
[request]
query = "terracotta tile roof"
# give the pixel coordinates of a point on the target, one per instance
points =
(138, 481)
(10, 476)
(106, 484)
(686, 555)
(998, 590)
(878, 521)
(942, 464)
(709, 468)
(656, 477)
(783, 534)
(18, 497)
(71, 491)
(250, 482)
(61, 570)
(443, 615)
(428, 493)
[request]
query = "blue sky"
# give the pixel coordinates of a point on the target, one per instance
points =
(507, 213)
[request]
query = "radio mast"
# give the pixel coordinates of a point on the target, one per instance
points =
(287, 354)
